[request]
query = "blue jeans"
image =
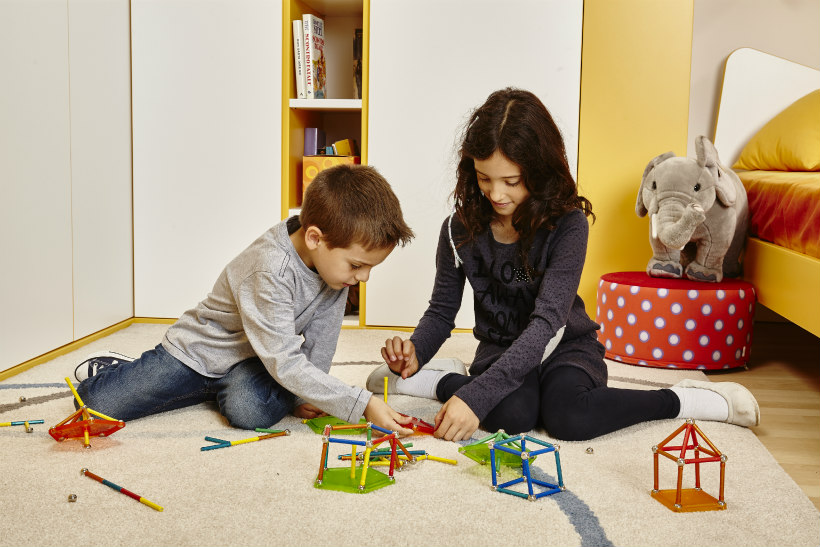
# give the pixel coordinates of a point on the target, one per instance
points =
(247, 395)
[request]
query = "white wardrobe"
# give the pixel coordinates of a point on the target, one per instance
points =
(431, 63)
(65, 173)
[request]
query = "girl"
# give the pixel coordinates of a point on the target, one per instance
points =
(519, 236)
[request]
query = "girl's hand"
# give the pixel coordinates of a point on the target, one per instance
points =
(379, 413)
(455, 421)
(307, 412)
(400, 356)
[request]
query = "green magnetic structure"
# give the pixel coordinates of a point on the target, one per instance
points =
(479, 451)
(318, 425)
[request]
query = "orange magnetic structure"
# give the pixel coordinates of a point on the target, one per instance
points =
(362, 479)
(689, 499)
(84, 423)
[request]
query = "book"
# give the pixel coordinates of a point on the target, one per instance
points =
(358, 44)
(316, 74)
(298, 58)
(344, 147)
(314, 141)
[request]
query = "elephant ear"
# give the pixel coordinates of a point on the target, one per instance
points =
(708, 159)
(640, 207)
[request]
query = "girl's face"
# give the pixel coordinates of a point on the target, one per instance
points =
(501, 182)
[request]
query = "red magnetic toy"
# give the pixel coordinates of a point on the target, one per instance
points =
(84, 423)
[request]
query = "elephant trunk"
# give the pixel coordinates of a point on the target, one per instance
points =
(675, 224)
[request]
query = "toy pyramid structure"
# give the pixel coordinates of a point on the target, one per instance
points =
(84, 423)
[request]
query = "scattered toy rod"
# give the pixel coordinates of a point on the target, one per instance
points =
(120, 489)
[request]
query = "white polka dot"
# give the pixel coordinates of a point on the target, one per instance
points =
(674, 339)
(634, 290)
(642, 363)
(646, 305)
(750, 309)
(601, 283)
(603, 327)
(598, 311)
(740, 324)
(688, 355)
(706, 309)
(603, 298)
(729, 340)
(631, 319)
(692, 294)
(610, 315)
(742, 294)
(737, 354)
(660, 322)
(731, 309)
(718, 325)
(630, 349)
(715, 356)
(701, 367)
(703, 340)
(608, 344)
(657, 353)
(618, 358)
(676, 308)
(613, 286)
(721, 294)
(619, 332)
(663, 292)
(670, 365)
(690, 324)
(621, 301)
(644, 336)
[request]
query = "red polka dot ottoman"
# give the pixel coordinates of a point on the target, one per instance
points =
(675, 323)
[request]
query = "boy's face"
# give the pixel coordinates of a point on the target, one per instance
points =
(344, 266)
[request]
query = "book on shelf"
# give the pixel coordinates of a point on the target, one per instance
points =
(316, 73)
(344, 147)
(314, 141)
(298, 58)
(357, 63)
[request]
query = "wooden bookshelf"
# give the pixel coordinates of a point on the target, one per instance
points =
(340, 115)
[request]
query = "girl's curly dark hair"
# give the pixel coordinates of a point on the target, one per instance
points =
(517, 124)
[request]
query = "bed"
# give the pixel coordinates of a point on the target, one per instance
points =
(768, 130)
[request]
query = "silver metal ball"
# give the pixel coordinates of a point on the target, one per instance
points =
(72, 498)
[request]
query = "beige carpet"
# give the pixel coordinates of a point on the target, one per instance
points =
(262, 493)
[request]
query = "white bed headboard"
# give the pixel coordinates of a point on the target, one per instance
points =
(756, 87)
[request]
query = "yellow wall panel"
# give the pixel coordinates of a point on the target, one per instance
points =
(634, 105)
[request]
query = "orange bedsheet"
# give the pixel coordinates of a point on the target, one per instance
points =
(784, 208)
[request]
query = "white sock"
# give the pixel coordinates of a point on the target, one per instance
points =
(701, 404)
(421, 384)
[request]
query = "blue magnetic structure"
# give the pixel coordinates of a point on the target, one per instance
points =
(525, 456)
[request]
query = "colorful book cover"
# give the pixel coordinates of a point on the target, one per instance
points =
(298, 58)
(316, 75)
(358, 42)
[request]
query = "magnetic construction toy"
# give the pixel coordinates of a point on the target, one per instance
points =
(689, 499)
(118, 488)
(25, 423)
(84, 423)
(480, 451)
(318, 425)
(220, 443)
(359, 479)
(525, 456)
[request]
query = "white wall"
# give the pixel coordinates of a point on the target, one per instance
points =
(788, 29)
(207, 142)
(426, 75)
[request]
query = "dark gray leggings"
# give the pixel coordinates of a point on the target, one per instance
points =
(568, 405)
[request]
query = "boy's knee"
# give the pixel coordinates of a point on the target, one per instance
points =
(244, 414)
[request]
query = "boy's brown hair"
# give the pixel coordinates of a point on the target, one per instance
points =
(354, 204)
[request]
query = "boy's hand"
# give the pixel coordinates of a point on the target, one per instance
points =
(400, 356)
(455, 421)
(307, 412)
(379, 413)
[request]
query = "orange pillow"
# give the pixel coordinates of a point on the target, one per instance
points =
(788, 142)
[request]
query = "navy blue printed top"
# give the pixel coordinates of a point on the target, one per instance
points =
(519, 321)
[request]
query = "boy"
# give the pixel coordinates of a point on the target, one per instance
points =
(261, 343)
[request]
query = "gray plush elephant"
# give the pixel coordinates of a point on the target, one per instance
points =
(698, 214)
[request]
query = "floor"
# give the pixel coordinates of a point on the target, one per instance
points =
(784, 375)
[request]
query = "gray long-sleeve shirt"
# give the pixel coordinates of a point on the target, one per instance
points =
(519, 322)
(268, 303)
